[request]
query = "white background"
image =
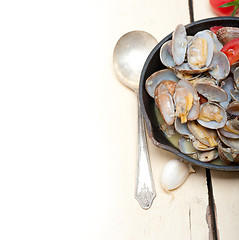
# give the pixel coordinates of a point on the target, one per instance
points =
(50, 136)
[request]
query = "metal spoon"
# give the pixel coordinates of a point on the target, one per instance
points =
(130, 54)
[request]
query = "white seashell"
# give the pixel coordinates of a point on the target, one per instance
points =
(174, 173)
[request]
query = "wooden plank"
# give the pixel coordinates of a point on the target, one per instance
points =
(225, 184)
(179, 215)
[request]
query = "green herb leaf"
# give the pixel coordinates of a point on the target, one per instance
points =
(229, 4)
(234, 11)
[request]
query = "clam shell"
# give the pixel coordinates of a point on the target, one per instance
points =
(194, 130)
(228, 134)
(207, 156)
(179, 44)
(185, 68)
(230, 142)
(185, 146)
(234, 94)
(234, 66)
(220, 66)
(211, 91)
(228, 155)
(227, 86)
(200, 146)
(181, 90)
(157, 77)
(233, 108)
(164, 101)
(165, 56)
(235, 123)
(210, 48)
(213, 124)
(236, 77)
(217, 44)
(182, 128)
(226, 34)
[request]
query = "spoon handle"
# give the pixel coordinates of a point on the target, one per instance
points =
(144, 190)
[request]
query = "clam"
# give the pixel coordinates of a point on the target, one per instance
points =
(166, 54)
(163, 97)
(185, 68)
(179, 44)
(226, 34)
(234, 66)
(185, 76)
(230, 142)
(186, 101)
(230, 129)
(233, 108)
(236, 77)
(169, 130)
(235, 123)
(217, 44)
(220, 66)
(200, 146)
(182, 128)
(227, 85)
(207, 156)
(185, 146)
(200, 50)
(211, 91)
(212, 115)
(206, 136)
(227, 154)
(157, 77)
(234, 94)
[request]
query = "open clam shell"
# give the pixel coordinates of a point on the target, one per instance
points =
(185, 68)
(233, 108)
(230, 142)
(164, 101)
(200, 50)
(234, 66)
(220, 66)
(227, 154)
(212, 111)
(182, 128)
(211, 91)
(206, 136)
(217, 44)
(200, 146)
(165, 56)
(228, 134)
(157, 77)
(234, 94)
(179, 44)
(185, 146)
(182, 91)
(235, 123)
(236, 77)
(207, 156)
(227, 86)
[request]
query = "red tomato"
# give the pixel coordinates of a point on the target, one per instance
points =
(231, 49)
(225, 11)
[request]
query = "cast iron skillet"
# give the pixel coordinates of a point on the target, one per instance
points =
(154, 64)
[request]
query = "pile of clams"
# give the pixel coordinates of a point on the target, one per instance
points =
(197, 94)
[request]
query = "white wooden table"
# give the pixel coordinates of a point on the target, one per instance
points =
(68, 129)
